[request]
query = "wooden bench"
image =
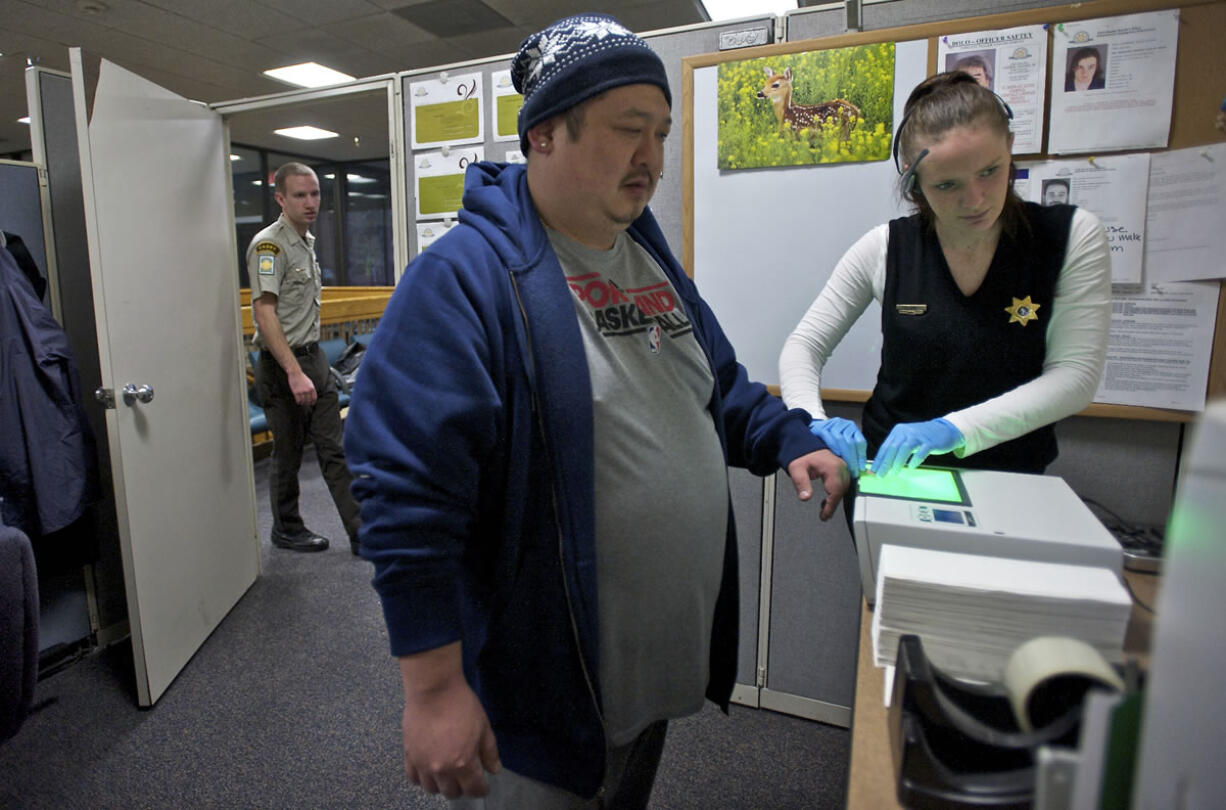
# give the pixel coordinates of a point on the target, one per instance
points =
(346, 314)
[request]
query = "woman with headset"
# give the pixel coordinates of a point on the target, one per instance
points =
(995, 311)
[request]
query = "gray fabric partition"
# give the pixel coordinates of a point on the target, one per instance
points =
(815, 601)
(825, 22)
(21, 210)
(55, 146)
(1127, 465)
(747, 506)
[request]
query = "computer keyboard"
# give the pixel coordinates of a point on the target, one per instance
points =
(1142, 545)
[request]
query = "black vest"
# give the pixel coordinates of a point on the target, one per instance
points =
(954, 351)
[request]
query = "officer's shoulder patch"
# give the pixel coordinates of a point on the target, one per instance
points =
(265, 265)
(268, 247)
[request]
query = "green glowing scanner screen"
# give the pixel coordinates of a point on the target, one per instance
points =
(920, 484)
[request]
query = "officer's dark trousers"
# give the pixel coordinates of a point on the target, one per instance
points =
(291, 425)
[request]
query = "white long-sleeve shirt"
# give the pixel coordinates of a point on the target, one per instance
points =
(1076, 338)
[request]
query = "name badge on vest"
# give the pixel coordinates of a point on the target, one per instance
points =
(910, 309)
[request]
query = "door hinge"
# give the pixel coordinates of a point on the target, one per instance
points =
(761, 684)
(106, 396)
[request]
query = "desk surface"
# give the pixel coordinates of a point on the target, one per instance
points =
(870, 784)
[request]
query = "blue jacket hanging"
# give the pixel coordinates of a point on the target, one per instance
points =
(48, 463)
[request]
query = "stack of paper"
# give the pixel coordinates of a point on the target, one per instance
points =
(971, 612)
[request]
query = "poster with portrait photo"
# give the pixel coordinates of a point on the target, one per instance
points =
(1113, 82)
(1011, 62)
(1113, 188)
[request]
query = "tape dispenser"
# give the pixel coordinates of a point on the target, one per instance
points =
(958, 744)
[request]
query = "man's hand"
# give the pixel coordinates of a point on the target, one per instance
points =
(304, 390)
(448, 743)
(823, 465)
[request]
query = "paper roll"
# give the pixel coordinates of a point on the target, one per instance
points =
(1048, 675)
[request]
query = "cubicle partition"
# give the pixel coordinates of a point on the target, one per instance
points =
(773, 235)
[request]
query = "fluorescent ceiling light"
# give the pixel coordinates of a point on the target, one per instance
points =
(308, 74)
(235, 157)
(25, 119)
(737, 9)
(357, 178)
(305, 133)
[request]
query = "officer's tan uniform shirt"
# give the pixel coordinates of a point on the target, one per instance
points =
(281, 262)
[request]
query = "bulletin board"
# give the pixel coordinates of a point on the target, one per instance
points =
(761, 243)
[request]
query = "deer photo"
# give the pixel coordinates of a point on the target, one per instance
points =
(798, 117)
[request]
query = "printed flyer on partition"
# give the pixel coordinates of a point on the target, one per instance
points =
(1012, 63)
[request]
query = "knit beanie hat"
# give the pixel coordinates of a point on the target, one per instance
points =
(575, 59)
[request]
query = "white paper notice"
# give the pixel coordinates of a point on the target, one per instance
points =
(505, 102)
(429, 232)
(446, 110)
(1113, 189)
(1160, 345)
(1112, 82)
(440, 179)
(1013, 63)
(1185, 225)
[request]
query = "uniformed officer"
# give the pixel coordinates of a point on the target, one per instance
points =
(300, 398)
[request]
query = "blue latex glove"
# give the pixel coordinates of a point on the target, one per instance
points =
(910, 443)
(844, 440)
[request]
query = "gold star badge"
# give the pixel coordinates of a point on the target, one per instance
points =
(1022, 311)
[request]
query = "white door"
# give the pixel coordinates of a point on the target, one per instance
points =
(158, 208)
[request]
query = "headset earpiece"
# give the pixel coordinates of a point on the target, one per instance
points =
(908, 177)
(898, 141)
(1004, 105)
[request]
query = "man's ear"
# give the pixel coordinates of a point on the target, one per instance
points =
(540, 136)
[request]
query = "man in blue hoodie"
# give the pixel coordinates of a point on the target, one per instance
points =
(540, 439)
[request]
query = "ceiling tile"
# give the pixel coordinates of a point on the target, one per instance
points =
(452, 18)
(491, 43)
(310, 44)
(323, 12)
(386, 33)
(432, 54)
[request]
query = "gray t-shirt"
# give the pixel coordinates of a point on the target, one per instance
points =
(661, 485)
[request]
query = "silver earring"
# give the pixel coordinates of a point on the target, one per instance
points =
(544, 144)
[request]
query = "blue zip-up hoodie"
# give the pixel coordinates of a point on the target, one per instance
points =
(470, 438)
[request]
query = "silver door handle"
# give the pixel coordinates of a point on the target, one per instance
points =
(131, 393)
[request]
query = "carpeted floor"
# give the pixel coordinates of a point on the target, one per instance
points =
(294, 702)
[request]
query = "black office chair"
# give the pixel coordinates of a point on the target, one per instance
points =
(18, 629)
